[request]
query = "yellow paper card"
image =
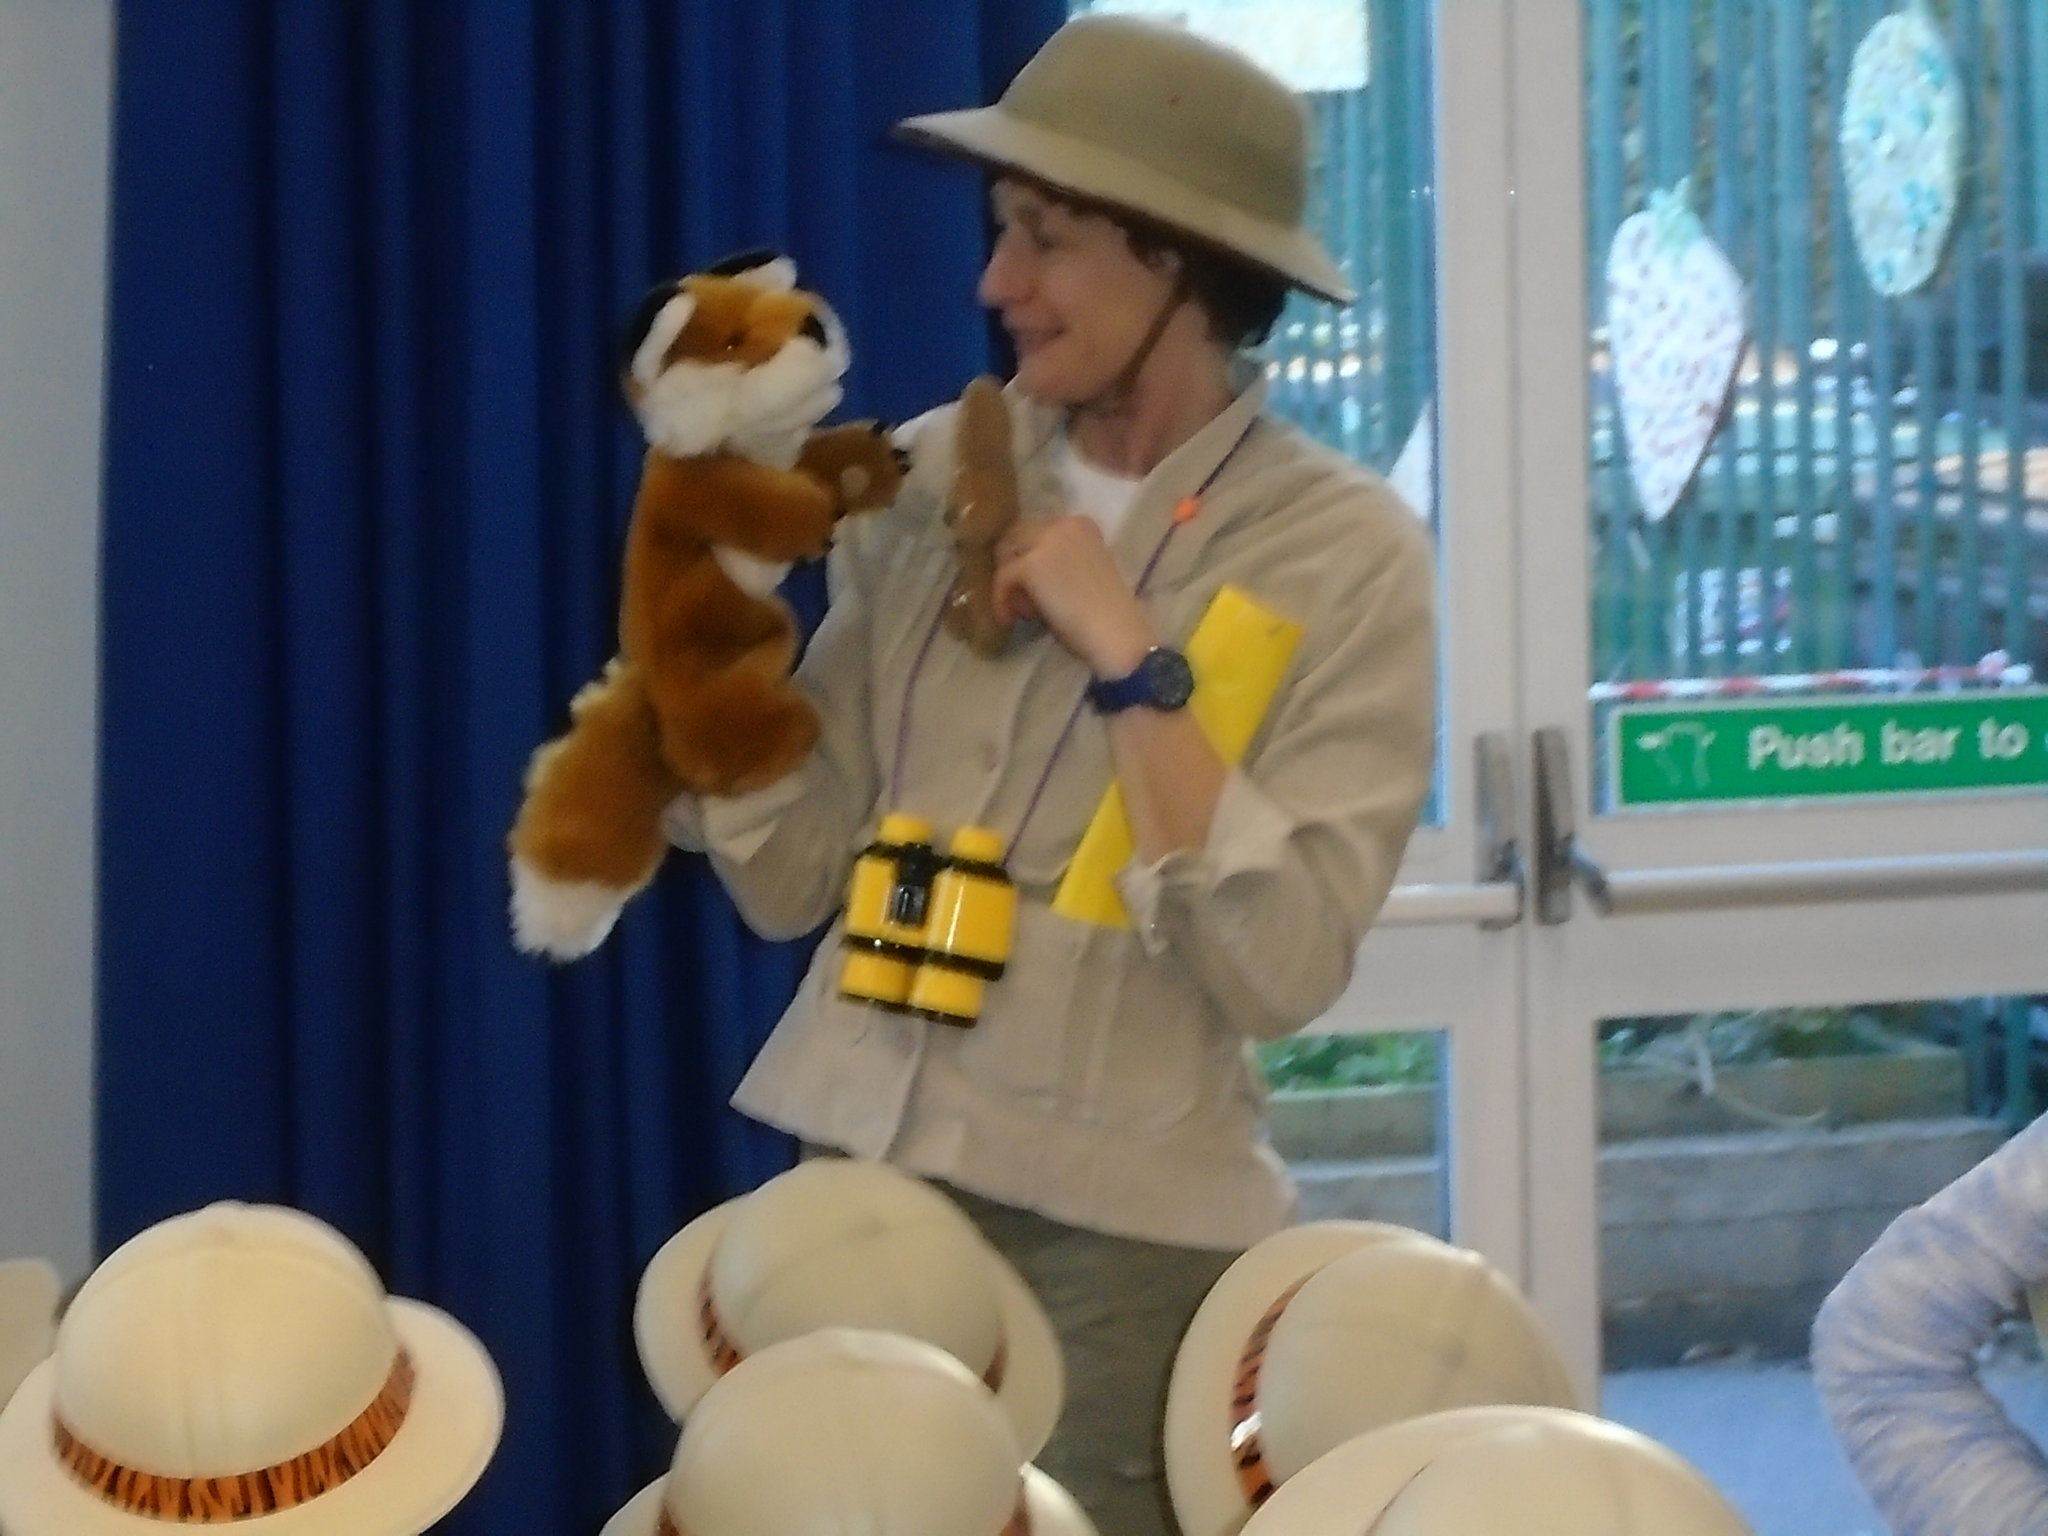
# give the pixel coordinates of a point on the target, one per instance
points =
(1238, 653)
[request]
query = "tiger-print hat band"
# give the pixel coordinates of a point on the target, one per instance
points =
(724, 1354)
(1247, 1449)
(266, 1491)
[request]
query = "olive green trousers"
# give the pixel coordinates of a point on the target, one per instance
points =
(1119, 1307)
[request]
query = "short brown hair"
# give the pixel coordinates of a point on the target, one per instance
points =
(1242, 301)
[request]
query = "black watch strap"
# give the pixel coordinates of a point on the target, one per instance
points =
(1162, 680)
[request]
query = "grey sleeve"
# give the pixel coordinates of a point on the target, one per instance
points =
(1894, 1353)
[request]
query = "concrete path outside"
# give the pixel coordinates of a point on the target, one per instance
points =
(1758, 1432)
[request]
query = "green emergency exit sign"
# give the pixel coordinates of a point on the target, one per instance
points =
(1675, 753)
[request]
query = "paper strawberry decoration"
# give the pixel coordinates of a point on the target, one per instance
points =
(1901, 135)
(1676, 325)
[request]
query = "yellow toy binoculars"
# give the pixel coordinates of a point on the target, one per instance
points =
(927, 932)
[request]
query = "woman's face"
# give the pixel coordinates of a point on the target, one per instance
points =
(1075, 299)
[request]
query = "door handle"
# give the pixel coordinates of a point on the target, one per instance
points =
(1721, 887)
(1556, 832)
(1561, 863)
(1495, 898)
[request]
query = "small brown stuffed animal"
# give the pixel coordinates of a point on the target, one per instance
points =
(983, 502)
(729, 372)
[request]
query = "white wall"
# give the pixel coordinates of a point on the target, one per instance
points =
(55, 69)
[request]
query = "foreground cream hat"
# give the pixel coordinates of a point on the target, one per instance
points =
(836, 1242)
(1152, 119)
(1496, 1471)
(1325, 1331)
(846, 1432)
(242, 1363)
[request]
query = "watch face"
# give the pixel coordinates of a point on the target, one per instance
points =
(1169, 680)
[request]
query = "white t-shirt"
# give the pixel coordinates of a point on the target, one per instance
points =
(1093, 492)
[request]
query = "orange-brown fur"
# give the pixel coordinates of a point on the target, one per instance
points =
(699, 696)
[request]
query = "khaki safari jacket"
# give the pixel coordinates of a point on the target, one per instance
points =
(1107, 1084)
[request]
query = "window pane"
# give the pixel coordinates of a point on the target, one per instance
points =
(1359, 1119)
(1871, 494)
(1747, 1159)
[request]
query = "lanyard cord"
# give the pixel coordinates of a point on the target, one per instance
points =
(1184, 511)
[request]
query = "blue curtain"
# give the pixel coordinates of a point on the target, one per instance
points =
(365, 492)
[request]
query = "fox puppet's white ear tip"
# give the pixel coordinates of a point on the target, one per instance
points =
(667, 324)
(760, 267)
(777, 274)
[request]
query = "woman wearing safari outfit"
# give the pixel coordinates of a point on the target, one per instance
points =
(1101, 1120)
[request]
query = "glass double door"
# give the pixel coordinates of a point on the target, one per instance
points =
(1711, 339)
(1727, 938)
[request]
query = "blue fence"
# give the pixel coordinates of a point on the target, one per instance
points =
(1358, 379)
(1878, 496)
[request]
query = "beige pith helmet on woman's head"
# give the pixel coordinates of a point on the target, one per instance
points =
(1152, 120)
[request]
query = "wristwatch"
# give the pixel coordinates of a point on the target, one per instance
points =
(1163, 680)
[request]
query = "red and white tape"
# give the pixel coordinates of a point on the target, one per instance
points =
(1995, 671)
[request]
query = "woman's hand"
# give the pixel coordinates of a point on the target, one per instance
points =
(1059, 571)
